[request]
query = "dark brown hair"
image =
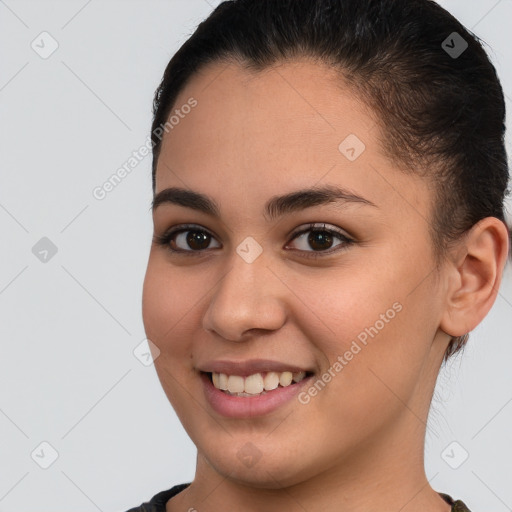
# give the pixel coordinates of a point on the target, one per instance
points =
(441, 112)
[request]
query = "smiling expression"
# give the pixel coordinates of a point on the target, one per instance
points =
(289, 251)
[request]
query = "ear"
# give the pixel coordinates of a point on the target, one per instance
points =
(474, 276)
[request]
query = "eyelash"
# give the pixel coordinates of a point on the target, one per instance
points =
(166, 238)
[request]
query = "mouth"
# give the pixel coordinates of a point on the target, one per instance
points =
(256, 384)
(258, 394)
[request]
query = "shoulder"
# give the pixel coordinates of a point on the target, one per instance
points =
(457, 505)
(158, 501)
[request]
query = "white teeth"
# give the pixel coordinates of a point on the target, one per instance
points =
(235, 384)
(256, 383)
(285, 379)
(223, 381)
(271, 381)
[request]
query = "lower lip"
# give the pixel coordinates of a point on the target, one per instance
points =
(247, 407)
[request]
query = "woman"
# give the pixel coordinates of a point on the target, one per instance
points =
(328, 178)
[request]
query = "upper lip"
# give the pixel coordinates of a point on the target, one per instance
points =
(249, 367)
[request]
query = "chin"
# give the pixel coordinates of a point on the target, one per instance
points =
(246, 465)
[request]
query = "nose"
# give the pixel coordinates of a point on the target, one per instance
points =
(248, 297)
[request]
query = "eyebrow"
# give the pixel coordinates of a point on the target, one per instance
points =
(275, 207)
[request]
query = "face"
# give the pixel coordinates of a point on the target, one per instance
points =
(255, 290)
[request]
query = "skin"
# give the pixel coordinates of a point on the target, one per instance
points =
(358, 444)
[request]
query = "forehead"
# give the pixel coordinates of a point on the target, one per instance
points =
(290, 126)
(253, 113)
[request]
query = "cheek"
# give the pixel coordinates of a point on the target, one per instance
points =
(375, 318)
(166, 301)
(374, 353)
(167, 309)
(356, 304)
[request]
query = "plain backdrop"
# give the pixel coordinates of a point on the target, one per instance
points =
(84, 423)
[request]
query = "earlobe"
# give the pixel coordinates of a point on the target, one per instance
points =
(478, 271)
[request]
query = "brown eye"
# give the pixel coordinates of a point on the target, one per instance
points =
(185, 239)
(197, 239)
(321, 240)
(191, 239)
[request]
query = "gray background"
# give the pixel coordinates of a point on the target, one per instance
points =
(70, 325)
